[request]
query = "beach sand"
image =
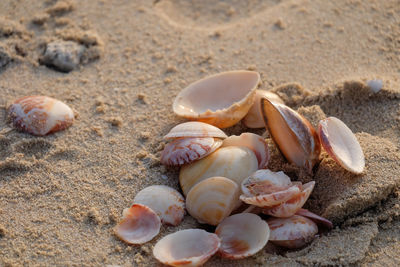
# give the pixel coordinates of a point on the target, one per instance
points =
(62, 194)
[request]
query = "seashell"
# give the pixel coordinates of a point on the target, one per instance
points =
(165, 201)
(212, 200)
(254, 118)
(186, 150)
(221, 100)
(253, 141)
(242, 235)
(341, 144)
(235, 163)
(315, 218)
(195, 129)
(139, 225)
(40, 115)
(291, 206)
(293, 232)
(292, 133)
(190, 247)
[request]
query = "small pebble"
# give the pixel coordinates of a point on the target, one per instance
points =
(375, 85)
(63, 55)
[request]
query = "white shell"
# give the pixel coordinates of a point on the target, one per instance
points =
(212, 200)
(253, 141)
(195, 129)
(221, 100)
(341, 144)
(190, 247)
(242, 235)
(165, 201)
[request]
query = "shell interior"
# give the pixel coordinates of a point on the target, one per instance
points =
(315, 218)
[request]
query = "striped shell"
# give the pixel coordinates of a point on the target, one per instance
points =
(195, 129)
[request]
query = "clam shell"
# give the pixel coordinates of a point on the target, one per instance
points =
(253, 141)
(139, 225)
(186, 150)
(341, 144)
(293, 134)
(235, 163)
(165, 201)
(190, 247)
(221, 100)
(253, 118)
(315, 218)
(242, 235)
(212, 200)
(195, 129)
(293, 232)
(40, 115)
(271, 199)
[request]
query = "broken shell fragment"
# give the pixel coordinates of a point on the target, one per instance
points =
(242, 235)
(40, 115)
(190, 247)
(186, 150)
(165, 201)
(292, 133)
(341, 144)
(253, 141)
(195, 129)
(221, 100)
(139, 225)
(293, 232)
(254, 118)
(212, 200)
(315, 218)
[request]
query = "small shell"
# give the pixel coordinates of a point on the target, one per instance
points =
(315, 218)
(271, 199)
(242, 235)
(341, 144)
(165, 201)
(293, 232)
(254, 118)
(221, 100)
(195, 129)
(139, 225)
(293, 134)
(40, 115)
(190, 247)
(253, 141)
(212, 200)
(291, 206)
(235, 163)
(186, 150)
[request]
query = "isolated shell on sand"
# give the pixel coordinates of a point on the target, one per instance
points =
(254, 118)
(253, 141)
(242, 235)
(40, 115)
(165, 201)
(221, 100)
(292, 133)
(195, 129)
(212, 200)
(139, 225)
(341, 144)
(190, 247)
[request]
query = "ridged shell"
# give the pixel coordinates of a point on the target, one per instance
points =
(40, 115)
(242, 235)
(212, 200)
(195, 129)
(165, 201)
(190, 247)
(221, 100)
(315, 218)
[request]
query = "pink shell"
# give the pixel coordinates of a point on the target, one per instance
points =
(315, 218)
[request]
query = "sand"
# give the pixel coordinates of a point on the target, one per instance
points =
(62, 194)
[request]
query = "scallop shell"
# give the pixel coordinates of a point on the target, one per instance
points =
(315, 218)
(190, 247)
(293, 134)
(195, 129)
(254, 118)
(341, 144)
(165, 201)
(235, 163)
(293, 232)
(242, 235)
(139, 225)
(253, 141)
(40, 115)
(221, 100)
